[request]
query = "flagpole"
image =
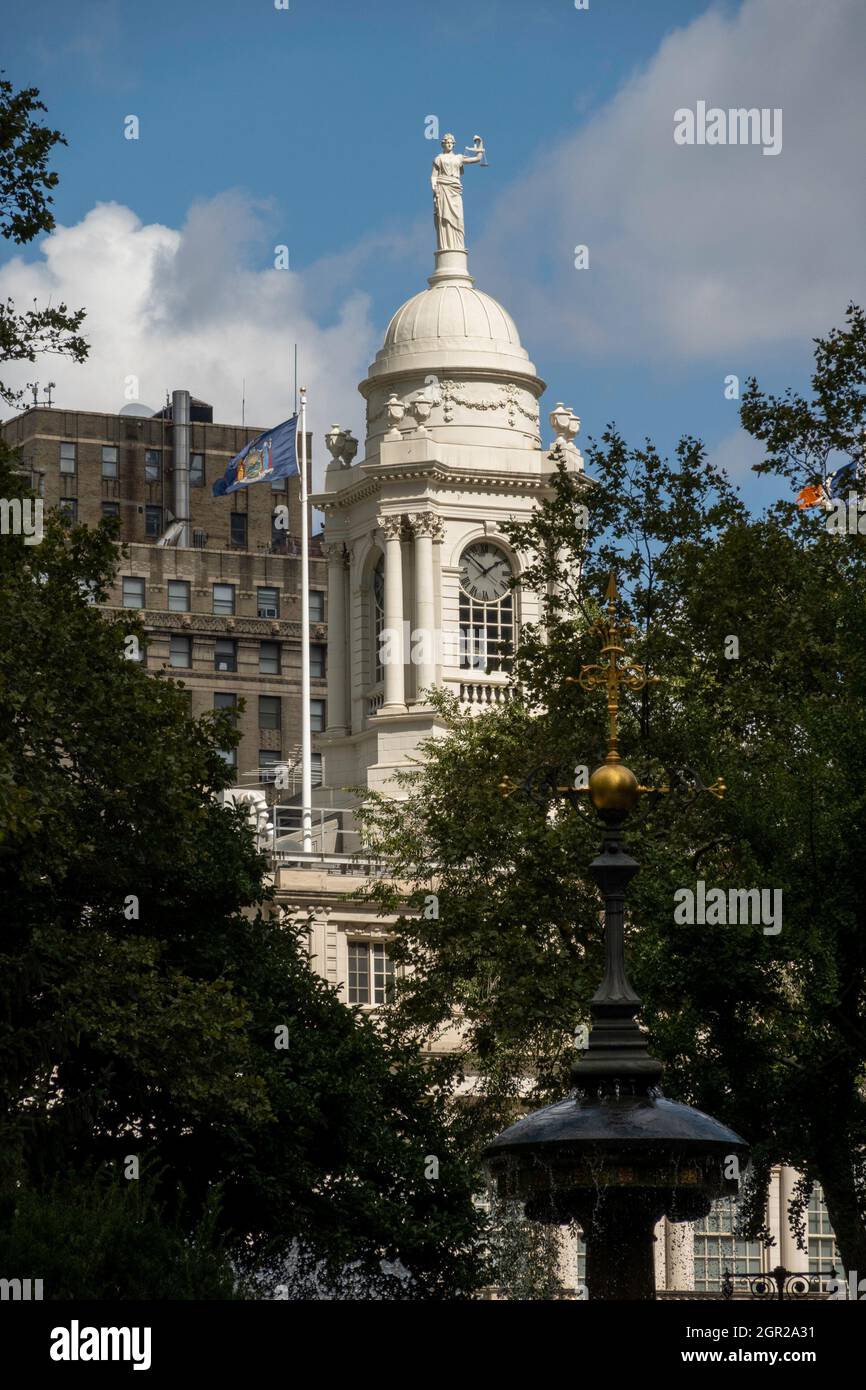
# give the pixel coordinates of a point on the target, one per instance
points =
(306, 733)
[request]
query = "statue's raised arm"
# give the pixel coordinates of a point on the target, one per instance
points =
(447, 183)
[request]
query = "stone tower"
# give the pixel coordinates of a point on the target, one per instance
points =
(418, 564)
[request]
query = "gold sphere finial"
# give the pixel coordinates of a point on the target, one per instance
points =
(613, 787)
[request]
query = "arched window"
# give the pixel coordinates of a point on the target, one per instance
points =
(378, 593)
(486, 607)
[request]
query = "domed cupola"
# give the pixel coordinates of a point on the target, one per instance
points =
(452, 361)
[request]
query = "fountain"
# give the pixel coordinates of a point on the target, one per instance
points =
(616, 1155)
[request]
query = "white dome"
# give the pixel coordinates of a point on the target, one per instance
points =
(451, 327)
(453, 311)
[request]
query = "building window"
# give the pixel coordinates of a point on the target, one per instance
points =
(152, 465)
(371, 973)
(580, 1257)
(67, 458)
(238, 531)
(178, 596)
(317, 661)
(109, 460)
(269, 761)
(718, 1250)
(823, 1254)
(224, 599)
(225, 655)
(180, 651)
(316, 771)
(317, 606)
(111, 509)
(269, 603)
(378, 590)
(269, 658)
(196, 470)
(69, 508)
(317, 716)
(153, 521)
(486, 608)
(269, 712)
(133, 591)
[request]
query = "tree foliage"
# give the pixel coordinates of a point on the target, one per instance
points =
(26, 185)
(144, 972)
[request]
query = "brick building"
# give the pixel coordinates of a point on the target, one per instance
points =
(217, 582)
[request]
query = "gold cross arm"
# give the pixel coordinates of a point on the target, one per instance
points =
(615, 671)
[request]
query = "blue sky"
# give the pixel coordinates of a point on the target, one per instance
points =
(306, 127)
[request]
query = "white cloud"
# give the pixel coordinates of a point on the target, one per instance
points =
(183, 309)
(736, 453)
(698, 251)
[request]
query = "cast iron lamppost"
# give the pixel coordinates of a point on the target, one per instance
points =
(616, 1155)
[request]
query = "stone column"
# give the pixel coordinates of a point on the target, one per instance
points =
(426, 526)
(395, 691)
(773, 1255)
(679, 1255)
(791, 1256)
(337, 721)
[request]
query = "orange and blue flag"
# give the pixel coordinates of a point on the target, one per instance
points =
(810, 496)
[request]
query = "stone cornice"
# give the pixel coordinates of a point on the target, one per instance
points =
(210, 625)
(418, 365)
(444, 475)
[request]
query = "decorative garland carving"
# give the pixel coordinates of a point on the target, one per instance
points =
(452, 393)
(507, 400)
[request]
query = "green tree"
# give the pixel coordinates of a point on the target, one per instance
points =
(26, 185)
(100, 1237)
(762, 1029)
(144, 973)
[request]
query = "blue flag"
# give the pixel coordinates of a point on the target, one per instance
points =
(273, 454)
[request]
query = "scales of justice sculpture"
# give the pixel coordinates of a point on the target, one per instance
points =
(447, 182)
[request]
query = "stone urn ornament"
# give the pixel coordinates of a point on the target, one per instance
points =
(422, 408)
(395, 410)
(334, 440)
(560, 419)
(349, 448)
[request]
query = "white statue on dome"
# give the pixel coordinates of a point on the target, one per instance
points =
(447, 185)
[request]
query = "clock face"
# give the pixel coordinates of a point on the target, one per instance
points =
(484, 572)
